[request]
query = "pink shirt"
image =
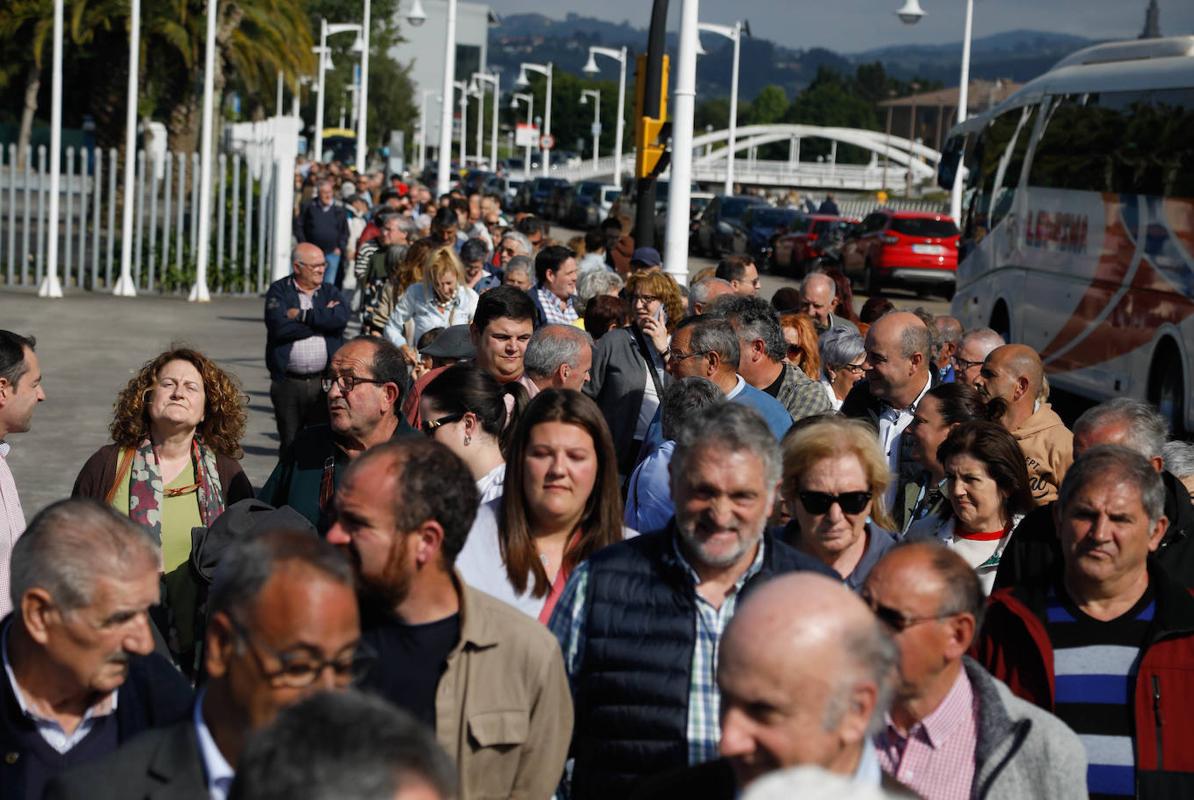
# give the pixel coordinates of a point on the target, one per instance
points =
(936, 760)
(12, 525)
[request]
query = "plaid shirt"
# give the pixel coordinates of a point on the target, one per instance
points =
(704, 699)
(801, 395)
(555, 310)
(936, 758)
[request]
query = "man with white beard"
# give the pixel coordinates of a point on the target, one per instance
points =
(640, 621)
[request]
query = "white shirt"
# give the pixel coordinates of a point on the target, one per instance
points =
(738, 387)
(490, 486)
(50, 729)
(833, 401)
(12, 525)
(215, 767)
(650, 403)
(892, 423)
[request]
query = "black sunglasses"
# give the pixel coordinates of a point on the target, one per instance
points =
(897, 620)
(429, 426)
(821, 502)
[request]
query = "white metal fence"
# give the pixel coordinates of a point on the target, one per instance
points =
(165, 223)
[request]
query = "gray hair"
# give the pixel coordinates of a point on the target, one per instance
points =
(1147, 430)
(916, 339)
(520, 239)
(819, 276)
(1179, 458)
(344, 745)
(521, 264)
(682, 399)
(986, 338)
(407, 225)
(700, 291)
(72, 543)
(728, 427)
(1122, 464)
(840, 346)
(596, 282)
(753, 319)
(713, 335)
(552, 346)
(249, 564)
(875, 658)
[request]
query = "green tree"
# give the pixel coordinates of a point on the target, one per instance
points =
(768, 107)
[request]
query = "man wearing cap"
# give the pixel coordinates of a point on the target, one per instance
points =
(646, 259)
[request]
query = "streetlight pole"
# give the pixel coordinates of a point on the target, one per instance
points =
(363, 96)
(462, 87)
(494, 80)
(547, 70)
(584, 98)
(476, 91)
(529, 99)
(50, 285)
(325, 63)
(199, 292)
(423, 128)
(910, 14)
(443, 167)
(124, 285)
(683, 109)
(591, 67)
(733, 33)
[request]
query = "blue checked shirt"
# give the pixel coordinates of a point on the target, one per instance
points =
(704, 699)
(555, 310)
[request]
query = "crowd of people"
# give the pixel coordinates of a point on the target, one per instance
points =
(549, 524)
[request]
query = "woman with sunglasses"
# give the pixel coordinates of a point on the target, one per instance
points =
(987, 487)
(629, 373)
(938, 413)
(465, 409)
(561, 504)
(803, 350)
(842, 358)
(834, 478)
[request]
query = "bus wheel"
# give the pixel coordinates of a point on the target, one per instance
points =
(1001, 321)
(1166, 387)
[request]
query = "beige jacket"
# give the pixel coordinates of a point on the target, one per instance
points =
(503, 708)
(1048, 447)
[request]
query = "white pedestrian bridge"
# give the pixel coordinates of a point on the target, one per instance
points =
(895, 162)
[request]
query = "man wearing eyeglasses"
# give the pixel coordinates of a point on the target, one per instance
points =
(283, 625)
(305, 320)
(972, 351)
(362, 390)
(953, 730)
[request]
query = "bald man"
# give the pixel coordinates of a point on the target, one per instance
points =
(953, 730)
(898, 373)
(805, 671)
(1012, 381)
(818, 299)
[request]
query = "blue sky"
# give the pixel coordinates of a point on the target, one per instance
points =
(854, 25)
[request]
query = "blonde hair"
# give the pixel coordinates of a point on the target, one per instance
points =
(439, 263)
(829, 438)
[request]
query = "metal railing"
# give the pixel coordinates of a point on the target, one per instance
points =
(165, 223)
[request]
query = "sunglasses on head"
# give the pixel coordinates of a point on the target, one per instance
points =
(821, 502)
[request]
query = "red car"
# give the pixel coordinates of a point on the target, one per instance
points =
(796, 250)
(906, 248)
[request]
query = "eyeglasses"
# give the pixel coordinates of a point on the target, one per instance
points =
(646, 299)
(347, 382)
(857, 369)
(430, 426)
(679, 355)
(821, 502)
(962, 364)
(300, 670)
(896, 620)
(320, 265)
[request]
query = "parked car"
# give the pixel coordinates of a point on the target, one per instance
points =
(795, 251)
(715, 234)
(697, 202)
(533, 195)
(559, 201)
(590, 204)
(760, 226)
(627, 202)
(905, 248)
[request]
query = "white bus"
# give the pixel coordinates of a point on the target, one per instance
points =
(1078, 222)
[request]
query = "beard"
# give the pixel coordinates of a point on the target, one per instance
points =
(388, 587)
(694, 534)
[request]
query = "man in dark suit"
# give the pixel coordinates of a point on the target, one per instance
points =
(80, 675)
(283, 625)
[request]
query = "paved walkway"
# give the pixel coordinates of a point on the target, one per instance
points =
(91, 344)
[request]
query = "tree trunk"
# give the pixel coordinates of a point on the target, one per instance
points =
(32, 87)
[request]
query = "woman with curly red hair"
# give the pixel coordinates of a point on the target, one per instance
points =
(173, 464)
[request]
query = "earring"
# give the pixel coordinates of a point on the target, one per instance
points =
(467, 439)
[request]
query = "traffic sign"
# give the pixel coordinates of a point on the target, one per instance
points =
(547, 142)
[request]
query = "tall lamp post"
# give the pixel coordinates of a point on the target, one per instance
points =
(325, 63)
(423, 128)
(50, 285)
(124, 285)
(584, 100)
(463, 88)
(542, 69)
(683, 107)
(910, 14)
(733, 33)
(494, 79)
(199, 293)
(529, 99)
(363, 96)
(416, 17)
(591, 69)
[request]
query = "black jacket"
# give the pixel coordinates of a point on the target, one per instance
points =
(153, 694)
(327, 230)
(632, 686)
(1034, 552)
(160, 764)
(327, 318)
